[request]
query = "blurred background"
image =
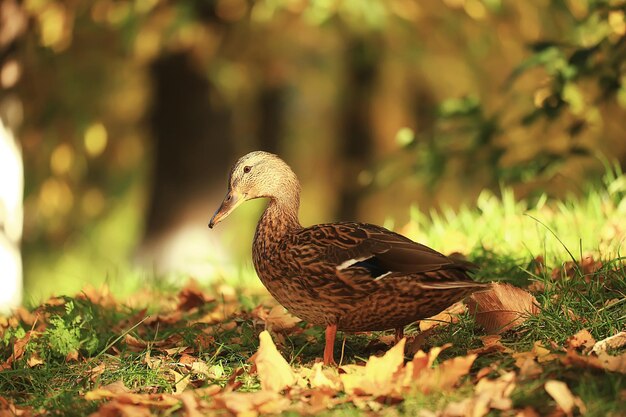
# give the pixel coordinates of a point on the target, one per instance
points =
(129, 114)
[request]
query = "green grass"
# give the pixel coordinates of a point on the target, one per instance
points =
(503, 235)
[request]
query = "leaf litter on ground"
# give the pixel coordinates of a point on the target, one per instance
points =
(209, 354)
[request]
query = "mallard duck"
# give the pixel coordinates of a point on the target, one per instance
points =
(347, 276)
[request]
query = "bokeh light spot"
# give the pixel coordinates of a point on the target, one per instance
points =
(617, 22)
(405, 136)
(96, 138)
(62, 159)
(55, 197)
(475, 9)
(10, 73)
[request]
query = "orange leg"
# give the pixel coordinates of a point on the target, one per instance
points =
(399, 334)
(331, 332)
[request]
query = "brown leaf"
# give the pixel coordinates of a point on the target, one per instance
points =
(19, 347)
(491, 343)
(96, 371)
(191, 297)
(101, 296)
(274, 371)
(446, 317)
(502, 307)
(582, 339)
(8, 409)
(563, 396)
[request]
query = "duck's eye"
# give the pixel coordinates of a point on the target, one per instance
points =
(247, 169)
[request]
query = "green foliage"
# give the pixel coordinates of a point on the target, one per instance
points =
(62, 339)
(504, 229)
(75, 330)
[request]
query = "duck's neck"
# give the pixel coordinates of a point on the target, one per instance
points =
(280, 217)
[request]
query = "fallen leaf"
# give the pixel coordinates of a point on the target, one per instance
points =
(19, 347)
(273, 370)
(502, 307)
(488, 394)
(8, 409)
(135, 344)
(277, 319)
(602, 361)
(107, 391)
(449, 372)
(612, 342)
(564, 398)
(582, 339)
(180, 381)
(96, 371)
(245, 404)
(542, 354)
(493, 394)
(377, 375)
(34, 360)
(191, 404)
(319, 378)
(192, 296)
(120, 408)
(446, 317)
(491, 343)
(527, 365)
(101, 296)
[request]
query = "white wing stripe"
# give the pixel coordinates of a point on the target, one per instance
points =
(350, 262)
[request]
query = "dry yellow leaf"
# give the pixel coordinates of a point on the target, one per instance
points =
(34, 360)
(319, 378)
(447, 375)
(564, 398)
(274, 372)
(502, 307)
(489, 394)
(378, 374)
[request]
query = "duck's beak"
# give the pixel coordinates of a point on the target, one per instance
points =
(230, 203)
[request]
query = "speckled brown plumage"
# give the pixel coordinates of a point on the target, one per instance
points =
(347, 276)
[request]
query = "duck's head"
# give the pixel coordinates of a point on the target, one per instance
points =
(255, 175)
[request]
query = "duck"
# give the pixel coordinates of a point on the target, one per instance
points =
(348, 276)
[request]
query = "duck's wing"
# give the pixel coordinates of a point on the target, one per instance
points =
(363, 252)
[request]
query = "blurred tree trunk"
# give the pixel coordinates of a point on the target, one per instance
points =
(271, 107)
(356, 132)
(191, 128)
(13, 24)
